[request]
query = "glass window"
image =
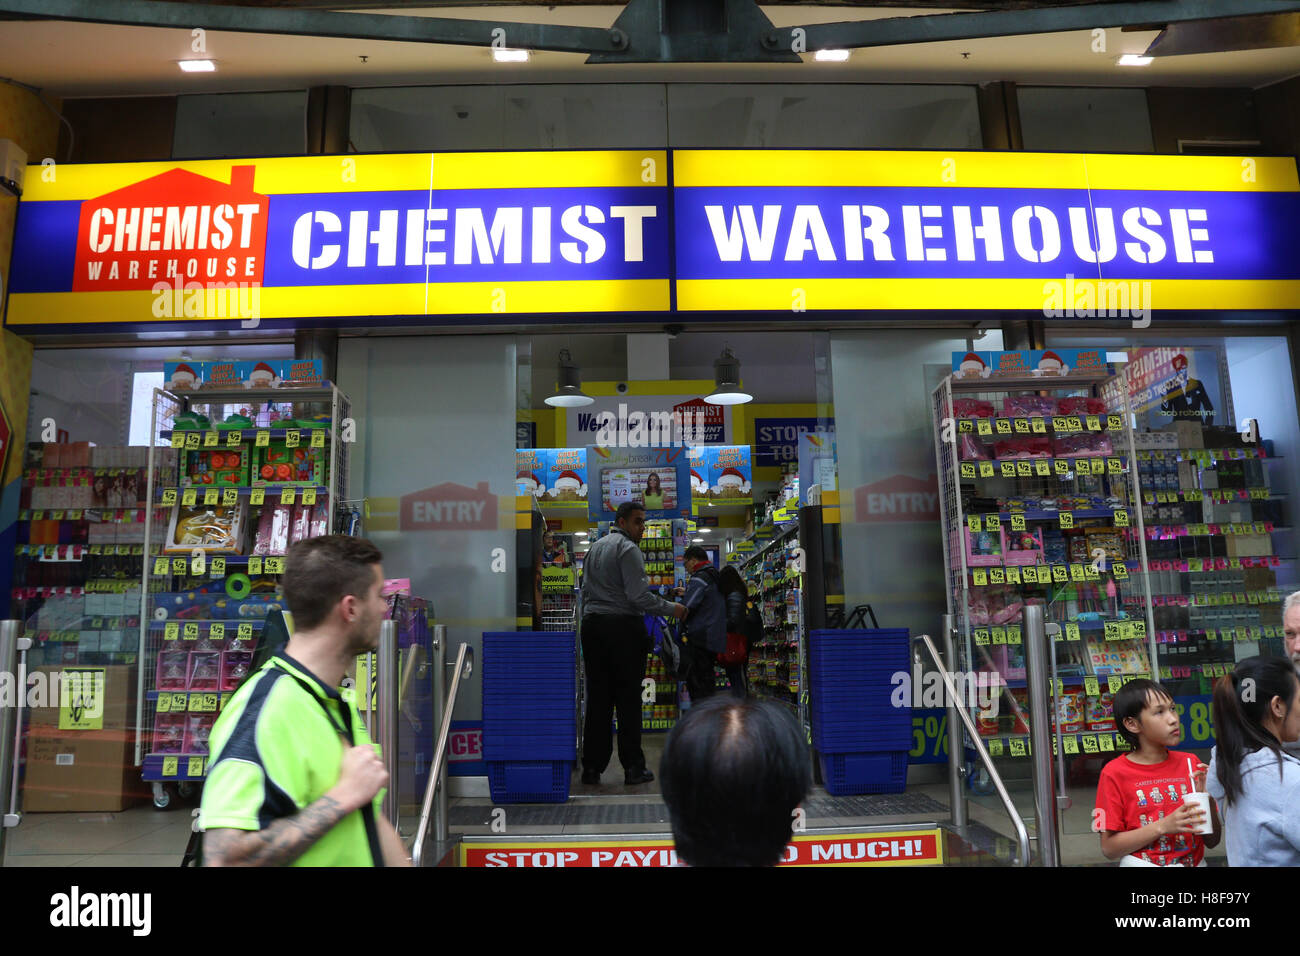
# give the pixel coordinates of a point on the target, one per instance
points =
(1084, 119)
(240, 124)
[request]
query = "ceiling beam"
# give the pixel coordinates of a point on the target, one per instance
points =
(930, 28)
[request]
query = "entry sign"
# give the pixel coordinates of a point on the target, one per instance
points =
(895, 848)
(777, 439)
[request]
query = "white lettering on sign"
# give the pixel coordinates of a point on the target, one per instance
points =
(169, 228)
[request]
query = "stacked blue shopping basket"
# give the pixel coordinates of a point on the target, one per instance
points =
(529, 714)
(862, 737)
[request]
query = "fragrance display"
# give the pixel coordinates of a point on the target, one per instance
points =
(78, 563)
(246, 473)
(1040, 501)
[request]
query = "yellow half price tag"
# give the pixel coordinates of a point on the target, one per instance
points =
(254, 565)
(171, 631)
(245, 631)
(318, 438)
(982, 636)
(1003, 426)
(1089, 743)
(218, 567)
(986, 469)
(169, 496)
(216, 631)
(191, 631)
(230, 496)
(190, 497)
(1067, 519)
(1017, 746)
(171, 767)
(195, 768)
(292, 437)
(1061, 466)
(1008, 469)
(274, 565)
(968, 469)
(997, 576)
(1017, 522)
(233, 438)
(1024, 469)
(179, 565)
(192, 440)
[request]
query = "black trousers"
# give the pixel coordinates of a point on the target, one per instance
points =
(614, 649)
(700, 679)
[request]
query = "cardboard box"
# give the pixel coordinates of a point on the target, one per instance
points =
(85, 771)
(116, 710)
(1249, 545)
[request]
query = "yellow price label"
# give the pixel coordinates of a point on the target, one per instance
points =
(190, 631)
(1120, 570)
(171, 631)
(995, 747)
(292, 437)
(1114, 466)
(245, 631)
(1008, 469)
(982, 636)
(211, 496)
(1042, 466)
(1017, 522)
(1013, 575)
(1071, 744)
(257, 496)
(288, 496)
(230, 496)
(999, 635)
(169, 496)
(216, 631)
(1060, 574)
(965, 425)
(1098, 466)
(1091, 687)
(968, 469)
(254, 565)
(190, 497)
(198, 563)
(309, 496)
(275, 565)
(218, 567)
(1024, 469)
(1017, 746)
(973, 522)
(1077, 573)
(179, 565)
(1121, 518)
(171, 767)
(1022, 426)
(160, 566)
(1091, 573)
(1114, 682)
(1107, 743)
(1060, 424)
(233, 438)
(1030, 574)
(1075, 423)
(986, 469)
(210, 702)
(210, 439)
(1013, 634)
(1113, 630)
(984, 426)
(318, 438)
(1067, 519)
(263, 438)
(1114, 423)
(1061, 466)
(1089, 743)
(164, 703)
(997, 576)
(192, 440)
(1094, 423)
(1039, 426)
(1003, 426)
(178, 439)
(980, 576)
(195, 768)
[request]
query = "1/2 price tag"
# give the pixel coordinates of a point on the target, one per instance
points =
(263, 438)
(190, 497)
(216, 631)
(234, 438)
(209, 703)
(190, 631)
(245, 631)
(982, 636)
(1114, 466)
(1114, 423)
(229, 496)
(210, 439)
(192, 440)
(1120, 570)
(1017, 522)
(218, 567)
(1089, 743)
(1008, 469)
(169, 496)
(292, 437)
(179, 565)
(254, 566)
(1061, 466)
(1060, 574)
(1022, 426)
(1074, 423)
(1067, 519)
(309, 496)
(1017, 746)
(1030, 574)
(274, 565)
(968, 469)
(1003, 426)
(997, 576)
(1024, 469)
(1060, 424)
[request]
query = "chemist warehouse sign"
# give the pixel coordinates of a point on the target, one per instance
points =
(425, 235)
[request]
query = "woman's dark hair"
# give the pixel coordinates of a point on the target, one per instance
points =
(1242, 701)
(733, 773)
(658, 483)
(1130, 700)
(730, 580)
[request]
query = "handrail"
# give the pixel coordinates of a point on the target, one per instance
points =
(464, 667)
(1022, 835)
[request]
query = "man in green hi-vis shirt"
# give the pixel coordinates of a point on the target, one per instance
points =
(293, 779)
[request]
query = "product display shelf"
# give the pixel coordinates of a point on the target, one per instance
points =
(776, 667)
(1066, 531)
(211, 572)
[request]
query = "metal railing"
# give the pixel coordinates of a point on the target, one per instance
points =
(13, 660)
(1022, 834)
(437, 786)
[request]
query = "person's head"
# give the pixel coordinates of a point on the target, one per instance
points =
(630, 517)
(548, 539)
(733, 773)
(332, 584)
(1180, 369)
(1256, 706)
(1291, 625)
(652, 484)
(1145, 714)
(730, 580)
(695, 558)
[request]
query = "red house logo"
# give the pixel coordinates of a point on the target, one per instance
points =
(176, 227)
(449, 507)
(900, 498)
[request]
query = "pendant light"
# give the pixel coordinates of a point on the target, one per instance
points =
(568, 381)
(726, 381)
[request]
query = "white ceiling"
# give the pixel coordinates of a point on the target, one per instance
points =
(78, 59)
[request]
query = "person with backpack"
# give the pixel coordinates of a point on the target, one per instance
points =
(705, 625)
(734, 658)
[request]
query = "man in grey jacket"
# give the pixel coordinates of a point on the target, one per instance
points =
(616, 596)
(706, 622)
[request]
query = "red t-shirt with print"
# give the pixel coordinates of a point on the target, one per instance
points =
(1130, 795)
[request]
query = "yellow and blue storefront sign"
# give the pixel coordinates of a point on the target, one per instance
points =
(425, 238)
(790, 230)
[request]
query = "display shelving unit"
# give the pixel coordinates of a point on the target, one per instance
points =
(190, 607)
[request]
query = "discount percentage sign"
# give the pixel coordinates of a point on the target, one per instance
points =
(935, 729)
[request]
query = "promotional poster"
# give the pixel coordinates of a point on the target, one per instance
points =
(659, 478)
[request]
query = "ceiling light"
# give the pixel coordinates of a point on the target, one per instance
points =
(1135, 59)
(197, 66)
(704, 531)
(509, 56)
(568, 382)
(832, 56)
(581, 534)
(726, 380)
(697, 540)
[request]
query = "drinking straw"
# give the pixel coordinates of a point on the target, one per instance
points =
(1191, 776)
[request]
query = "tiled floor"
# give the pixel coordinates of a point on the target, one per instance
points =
(140, 836)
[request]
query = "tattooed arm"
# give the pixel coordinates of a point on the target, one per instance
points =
(363, 775)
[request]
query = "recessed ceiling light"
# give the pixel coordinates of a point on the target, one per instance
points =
(1135, 59)
(197, 66)
(509, 56)
(832, 56)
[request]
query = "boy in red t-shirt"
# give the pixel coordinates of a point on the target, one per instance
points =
(1140, 812)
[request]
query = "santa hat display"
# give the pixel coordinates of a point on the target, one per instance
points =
(183, 374)
(1050, 360)
(695, 476)
(262, 368)
(972, 363)
(528, 476)
(731, 472)
(571, 475)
